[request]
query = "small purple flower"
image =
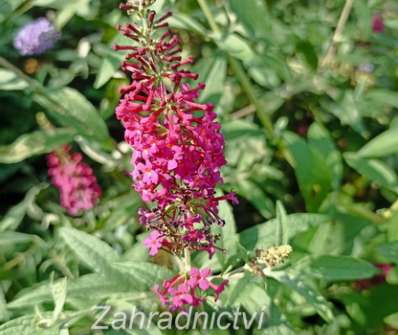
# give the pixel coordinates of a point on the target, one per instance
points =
(36, 37)
(199, 278)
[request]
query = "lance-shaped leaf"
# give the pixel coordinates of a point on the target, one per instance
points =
(336, 268)
(93, 252)
(36, 143)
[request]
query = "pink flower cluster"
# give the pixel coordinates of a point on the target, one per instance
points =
(377, 23)
(78, 187)
(190, 289)
(177, 144)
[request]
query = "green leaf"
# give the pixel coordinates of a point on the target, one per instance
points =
(7, 7)
(86, 290)
(96, 153)
(392, 276)
(313, 174)
(281, 329)
(4, 314)
(254, 16)
(9, 81)
(283, 227)
(91, 289)
(182, 21)
(70, 9)
(89, 249)
(253, 193)
(392, 320)
(11, 238)
(228, 236)
(317, 301)
(336, 268)
(142, 275)
(25, 325)
(248, 292)
(70, 108)
(375, 170)
(215, 81)
(36, 143)
(320, 140)
(346, 108)
(389, 251)
(369, 309)
(106, 71)
(263, 235)
(15, 215)
(382, 145)
(236, 47)
(238, 129)
(58, 291)
(383, 97)
(309, 54)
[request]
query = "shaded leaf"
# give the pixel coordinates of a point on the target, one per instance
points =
(70, 108)
(316, 300)
(312, 171)
(389, 251)
(36, 143)
(375, 170)
(13, 218)
(263, 235)
(335, 268)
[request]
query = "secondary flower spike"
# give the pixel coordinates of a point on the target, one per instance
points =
(36, 37)
(177, 143)
(75, 180)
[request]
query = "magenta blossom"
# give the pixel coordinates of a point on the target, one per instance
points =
(199, 278)
(154, 242)
(177, 142)
(190, 289)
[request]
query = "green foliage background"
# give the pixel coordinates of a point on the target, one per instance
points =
(312, 150)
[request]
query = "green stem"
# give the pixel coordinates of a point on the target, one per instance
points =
(249, 90)
(360, 211)
(209, 15)
(240, 73)
(187, 260)
(345, 13)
